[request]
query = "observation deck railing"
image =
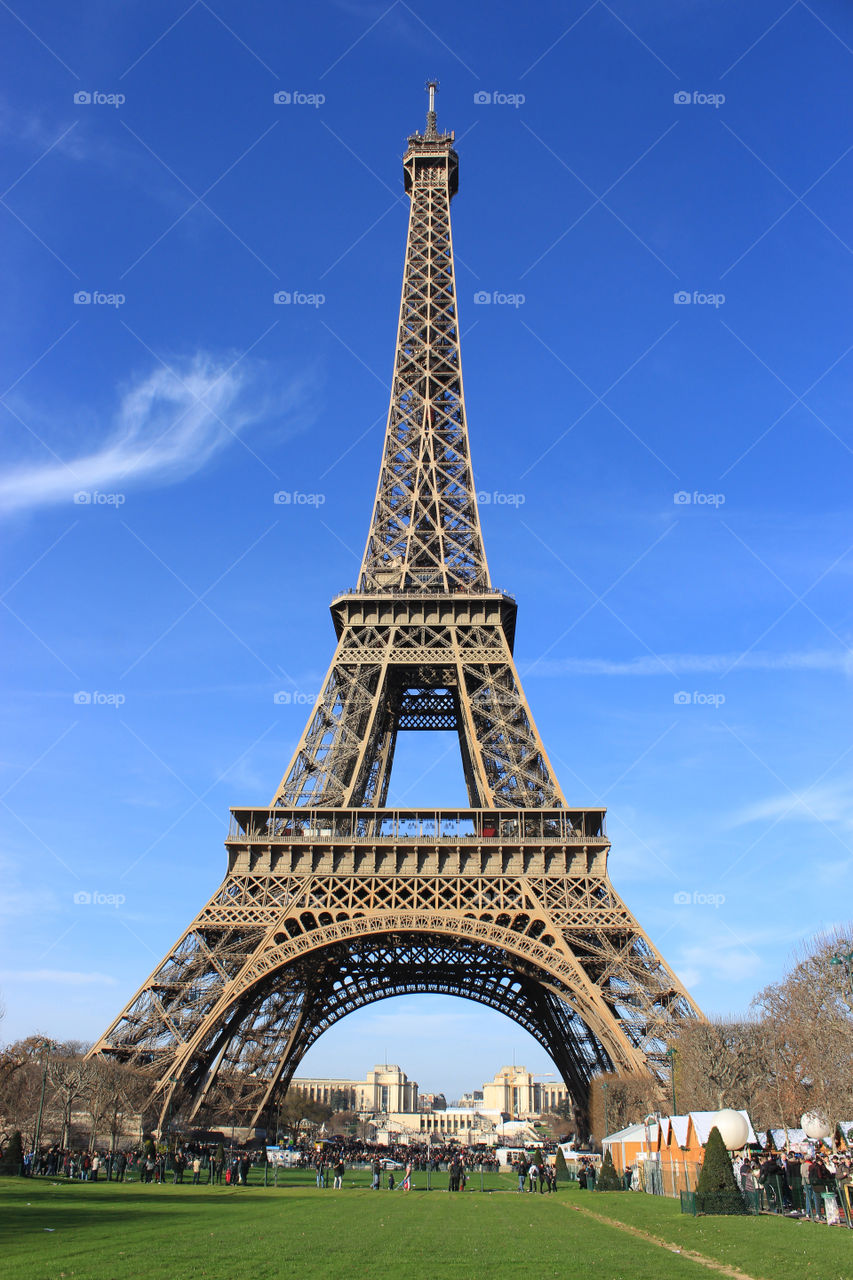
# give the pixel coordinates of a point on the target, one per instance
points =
(426, 826)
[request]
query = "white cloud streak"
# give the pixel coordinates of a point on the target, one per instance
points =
(60, 977)
(830, 803)
(699, 664)
(167, 426)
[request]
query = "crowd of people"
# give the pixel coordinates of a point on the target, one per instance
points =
(795, 1183)
(193, 1162)
(208, 1163)
(533, 1177)
(422, 1156)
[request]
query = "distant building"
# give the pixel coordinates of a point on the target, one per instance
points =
(386, 1090)
(432, 1102)
(516, 1092)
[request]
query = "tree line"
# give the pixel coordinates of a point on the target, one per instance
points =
(791, 1054)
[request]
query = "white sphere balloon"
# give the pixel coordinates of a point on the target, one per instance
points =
(815, 1126)
(733, 1128)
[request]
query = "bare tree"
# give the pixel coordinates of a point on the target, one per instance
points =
(112, 1093)
(69, 1076)
(621, 1100)
(721, 1063)
(808, 1019)
(21, 1073)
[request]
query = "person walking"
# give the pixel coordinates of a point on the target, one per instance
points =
(339, 1174)
(533, 1175)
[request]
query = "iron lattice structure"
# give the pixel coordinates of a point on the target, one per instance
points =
(332, 900)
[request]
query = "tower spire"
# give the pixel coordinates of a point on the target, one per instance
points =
(431, 131)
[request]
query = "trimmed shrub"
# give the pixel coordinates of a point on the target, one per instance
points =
(12, 1160)
(561, 1168)
(608, 1179)
(717, 1191)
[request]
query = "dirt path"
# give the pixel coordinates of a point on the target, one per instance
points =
(711, 1263)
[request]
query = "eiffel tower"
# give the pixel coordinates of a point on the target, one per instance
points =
(331, 900)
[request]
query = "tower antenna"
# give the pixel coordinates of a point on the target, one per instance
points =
(431, 130)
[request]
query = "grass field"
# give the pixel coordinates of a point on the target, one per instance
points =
(60, 1231)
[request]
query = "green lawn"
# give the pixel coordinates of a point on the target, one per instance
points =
(766, 1246)
(60, 1231)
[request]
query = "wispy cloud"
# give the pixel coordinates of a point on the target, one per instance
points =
(167, 426)
(62, 977)
(700, 663)
(830, 803)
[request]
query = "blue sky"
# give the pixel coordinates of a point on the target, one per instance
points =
(680, 471)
